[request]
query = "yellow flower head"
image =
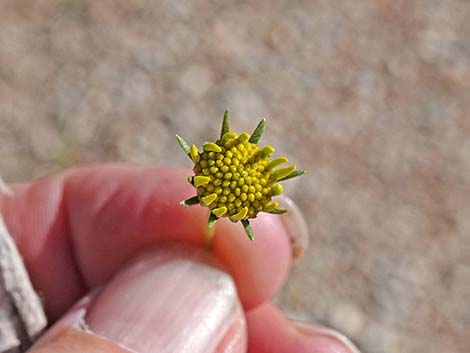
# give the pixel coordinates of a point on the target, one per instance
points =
(235, 178)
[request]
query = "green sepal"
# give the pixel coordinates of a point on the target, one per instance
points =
(256, 135)
(248, 230)
(190, 202)
(278, 211)
(211, 220)
(225, 123)
(184, 145)
(209, 232)
(294, 174)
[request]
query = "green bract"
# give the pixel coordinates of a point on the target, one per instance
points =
(235, 178)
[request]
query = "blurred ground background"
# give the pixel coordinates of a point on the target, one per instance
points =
(372, 97)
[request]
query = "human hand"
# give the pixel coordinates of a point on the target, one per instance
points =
(113, 235)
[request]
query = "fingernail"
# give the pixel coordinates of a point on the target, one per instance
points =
(342, 343)
(168, 301)
(296, 227)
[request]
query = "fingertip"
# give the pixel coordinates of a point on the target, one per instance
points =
(36, 220)
(259, 267)
(270, 332)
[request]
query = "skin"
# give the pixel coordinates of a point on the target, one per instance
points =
(63, 224)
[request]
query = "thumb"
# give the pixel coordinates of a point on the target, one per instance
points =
(173, 299)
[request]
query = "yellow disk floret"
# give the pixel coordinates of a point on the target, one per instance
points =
(239, 177)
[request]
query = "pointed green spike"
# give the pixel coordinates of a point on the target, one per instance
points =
(184, 145)
(211, 147)
(281, 173)
(190, 202)
(225, 123)
(248, 230)
(209, 233)
(294, 174)
(211, 220)
(278, 211)
(256, 135)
